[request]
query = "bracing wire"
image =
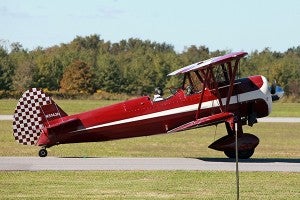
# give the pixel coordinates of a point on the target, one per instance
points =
(215, 132)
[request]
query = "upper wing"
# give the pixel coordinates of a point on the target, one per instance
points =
(209, 62)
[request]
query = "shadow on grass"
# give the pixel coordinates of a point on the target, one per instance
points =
(253, 160)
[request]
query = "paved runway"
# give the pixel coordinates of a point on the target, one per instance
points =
(6, 117)
(201, 164)
(280, 119)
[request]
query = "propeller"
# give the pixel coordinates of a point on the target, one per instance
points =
(276, 91)
(273, 87)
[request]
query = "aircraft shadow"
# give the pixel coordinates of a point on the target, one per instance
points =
(88, 157)
(253, 160)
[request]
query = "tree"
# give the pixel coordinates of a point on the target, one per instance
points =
(16, 47)
(131, 66)
(77, 78)
(48, 70)
(22, 79)
(111, 78)
(6, 70)
(194, 54)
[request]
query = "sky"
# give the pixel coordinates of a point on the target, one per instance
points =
(232, 25)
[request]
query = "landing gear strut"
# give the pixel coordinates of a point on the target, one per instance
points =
(246, 141)
(43, 152)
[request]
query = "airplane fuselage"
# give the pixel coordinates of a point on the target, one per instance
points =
(142, 116)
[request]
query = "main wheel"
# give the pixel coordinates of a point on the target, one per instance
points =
(43, 152)
(245, 154)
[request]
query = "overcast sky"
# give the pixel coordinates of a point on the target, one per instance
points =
(218, 24)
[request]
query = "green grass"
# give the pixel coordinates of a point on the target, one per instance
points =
(147, 185)
(285, 110)
(7, 107)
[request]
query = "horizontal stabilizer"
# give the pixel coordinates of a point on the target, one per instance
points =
(57, 132)
(205, 121)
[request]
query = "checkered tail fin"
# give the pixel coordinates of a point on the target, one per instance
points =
(33, 112)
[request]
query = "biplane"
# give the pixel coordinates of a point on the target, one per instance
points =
(211, 93)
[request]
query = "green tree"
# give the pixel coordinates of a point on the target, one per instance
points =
(48, 70)
(286, 72)
(112, 78)
(194, 54)
(23, 76)
(132, 66)
(6, 70)
(16, 47)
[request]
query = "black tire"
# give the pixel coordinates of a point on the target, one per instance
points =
(43, 152)
(245, 154)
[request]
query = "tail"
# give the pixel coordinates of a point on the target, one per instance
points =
(33, 112)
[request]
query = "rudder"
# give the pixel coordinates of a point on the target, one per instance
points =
(30, 117)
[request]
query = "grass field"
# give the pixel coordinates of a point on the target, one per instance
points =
(7, 106)
(147, 185)
(277, 140)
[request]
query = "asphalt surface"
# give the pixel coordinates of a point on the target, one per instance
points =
(280, 119)
(129, 164)
(6, 117)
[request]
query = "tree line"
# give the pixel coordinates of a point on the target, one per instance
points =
(90, 64)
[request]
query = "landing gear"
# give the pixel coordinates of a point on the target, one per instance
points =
(43, 152)
(246, 142)
(243, 154)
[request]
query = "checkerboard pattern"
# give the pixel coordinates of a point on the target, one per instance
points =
(27, 120)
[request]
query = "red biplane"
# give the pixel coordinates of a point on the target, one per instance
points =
(210, 94)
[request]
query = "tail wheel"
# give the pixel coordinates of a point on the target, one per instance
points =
(243, 154)
(43, 153)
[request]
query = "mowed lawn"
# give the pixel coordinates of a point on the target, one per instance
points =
(277, 140)
(148, 185)
(7, 106)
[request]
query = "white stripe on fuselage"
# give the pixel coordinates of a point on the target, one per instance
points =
(257, 94)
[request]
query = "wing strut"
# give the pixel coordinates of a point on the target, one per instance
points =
(206, 78)
(210, 78)
(232, 78)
